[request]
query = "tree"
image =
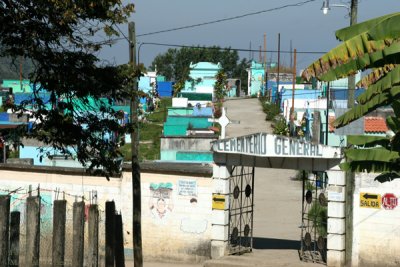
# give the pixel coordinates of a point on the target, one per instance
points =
(174, 64)
(375, 45)
(61, 38)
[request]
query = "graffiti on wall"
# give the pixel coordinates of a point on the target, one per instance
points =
(161, 201)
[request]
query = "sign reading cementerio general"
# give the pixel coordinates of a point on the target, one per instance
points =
(265, 145)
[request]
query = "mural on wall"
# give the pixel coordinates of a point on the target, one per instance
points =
(161, 201)
(194, 224)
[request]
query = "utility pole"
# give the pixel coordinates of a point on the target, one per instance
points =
(294, 80)
(350, 177)
(136, 192)
(279, 63)
(352, 79)
(264, 86)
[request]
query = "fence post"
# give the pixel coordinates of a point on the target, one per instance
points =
(59, 219)
(119, 242)
(4, 226)
(14, 239)
(93, 259)
(110, 235)
(32, 231)
(78, 233)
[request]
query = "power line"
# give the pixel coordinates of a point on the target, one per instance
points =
(227, 19)
(230, 48)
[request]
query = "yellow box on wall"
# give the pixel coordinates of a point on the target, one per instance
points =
(218, 202)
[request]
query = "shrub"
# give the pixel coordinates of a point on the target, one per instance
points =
(280, 126)
(270, 109)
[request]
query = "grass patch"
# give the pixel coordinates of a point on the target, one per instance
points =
(149, 134)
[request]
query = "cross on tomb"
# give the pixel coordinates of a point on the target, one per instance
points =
(223, 121)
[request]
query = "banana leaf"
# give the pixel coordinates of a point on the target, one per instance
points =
(363, 38)
(366, 26)
(393, 123)
(388, 81)
(362, 109)
(378, 154)
(368, 141)
(375, 75)
(350, 57)
(396, 108)
(387, 177)
(379, 100)
(367, 166)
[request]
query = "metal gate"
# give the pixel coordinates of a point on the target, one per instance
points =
(314, 218)
(241, 203)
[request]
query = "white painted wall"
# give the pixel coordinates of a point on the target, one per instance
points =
(376, 236)
(183, 233)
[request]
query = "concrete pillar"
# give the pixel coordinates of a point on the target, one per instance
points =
(4, 228)
(119, 242)
(14, 239)
(220, 212)
(110, 234)
(59, 219)
(78, 233)
(32, 231)
(93, 244)
(336, 218)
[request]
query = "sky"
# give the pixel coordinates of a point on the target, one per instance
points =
(303, 27)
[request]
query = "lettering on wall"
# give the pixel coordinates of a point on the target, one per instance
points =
(187, 187)
(262, 144)
(370, 200)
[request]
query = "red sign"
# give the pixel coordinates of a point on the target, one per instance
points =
(389, 201)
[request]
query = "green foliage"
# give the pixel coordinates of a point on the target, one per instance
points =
(373, 44)
(174, 64)
(271, 109)
(280, 126)
(220, 86)
(59, 38)
(319, 215)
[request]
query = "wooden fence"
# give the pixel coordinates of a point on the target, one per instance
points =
(10, 235)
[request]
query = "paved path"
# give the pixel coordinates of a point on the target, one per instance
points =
(277, 211)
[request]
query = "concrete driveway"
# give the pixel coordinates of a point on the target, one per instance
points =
(277, 211)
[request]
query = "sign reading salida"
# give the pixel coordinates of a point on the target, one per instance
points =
(262, 144)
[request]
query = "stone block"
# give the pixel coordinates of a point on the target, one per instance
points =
(336, 177)
(336, 209)
(220, 217)
(336, 242)
(336, 226)
(218, 249)
(219, 232)
(335, 258)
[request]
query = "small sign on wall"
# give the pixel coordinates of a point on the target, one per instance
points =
(370, 200)
(389, 201)
(218, 202)
(187, 187)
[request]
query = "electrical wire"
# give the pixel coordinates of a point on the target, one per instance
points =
(230, 48)
(227, 19)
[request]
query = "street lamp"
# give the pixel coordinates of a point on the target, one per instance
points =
(326, 7)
